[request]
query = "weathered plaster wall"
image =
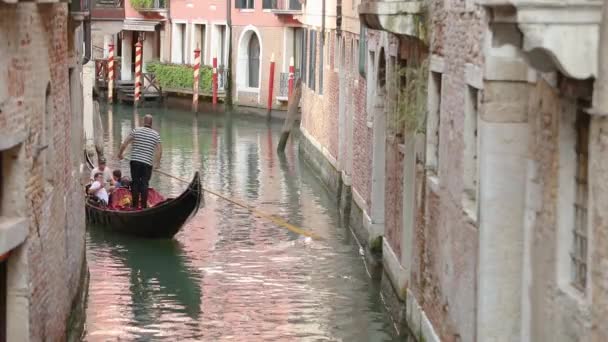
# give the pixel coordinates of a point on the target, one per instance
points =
(271, 41)
(554, 309)
(447, 284)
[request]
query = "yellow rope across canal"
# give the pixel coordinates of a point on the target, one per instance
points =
(278, 221)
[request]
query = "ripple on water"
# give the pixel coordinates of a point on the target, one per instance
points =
(230, 275)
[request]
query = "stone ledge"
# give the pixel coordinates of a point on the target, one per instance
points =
(10, 140)
(556, 34)
(398, 17)
(437, 64)
(474, 76)
(13, 231)
(417, 320)
(505, 69)
(394, 270)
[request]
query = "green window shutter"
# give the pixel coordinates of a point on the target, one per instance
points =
(362, 50)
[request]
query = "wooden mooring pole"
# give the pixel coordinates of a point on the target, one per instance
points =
(110, 72)
(197, 69)
(137, 95)
(270, 85)
(292, 113)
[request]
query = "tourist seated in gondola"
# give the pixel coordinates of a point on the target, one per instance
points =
(116, 181)
(97, 190)
(104, 169)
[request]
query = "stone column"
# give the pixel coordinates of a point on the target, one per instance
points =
(88, 77)
(503, 146)
(378, 169)
(125, 63)
(598, 237)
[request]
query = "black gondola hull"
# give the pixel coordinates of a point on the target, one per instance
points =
(162, 221)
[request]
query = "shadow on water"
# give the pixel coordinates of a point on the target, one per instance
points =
(159, 279)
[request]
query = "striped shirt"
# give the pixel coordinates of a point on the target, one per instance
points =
(145, 141)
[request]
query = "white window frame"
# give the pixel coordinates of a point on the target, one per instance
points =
(174, 40)
(196, 28)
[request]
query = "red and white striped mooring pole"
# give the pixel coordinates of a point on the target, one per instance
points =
(214, 85)
(292, 71)
(110, 72)
(270, 84)
(197, 71)
(137, 96)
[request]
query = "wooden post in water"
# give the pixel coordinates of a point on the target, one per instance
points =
(137, 95)
(270, 85)
(110, 72)
(292, 70)
(214, 83)
(292, 113)
(197, 67)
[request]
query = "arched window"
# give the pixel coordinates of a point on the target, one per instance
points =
(253, 63)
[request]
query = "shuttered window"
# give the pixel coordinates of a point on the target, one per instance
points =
(304, 56)
(321, 62)
(312, 61)
(362, 50)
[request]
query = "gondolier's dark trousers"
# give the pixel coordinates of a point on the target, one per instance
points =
(140, 172)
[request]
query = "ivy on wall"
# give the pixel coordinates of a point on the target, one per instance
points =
(180, 76)
(410, 111)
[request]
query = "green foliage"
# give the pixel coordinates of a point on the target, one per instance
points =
(376, 245)
(180, 76)
(139, 4)
(142, 3)
(410, 111)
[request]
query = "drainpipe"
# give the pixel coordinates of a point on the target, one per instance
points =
(339, 17)
(600, 89)
(228, 81)
(322, 25)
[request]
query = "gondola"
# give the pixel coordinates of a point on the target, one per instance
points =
(162, 221)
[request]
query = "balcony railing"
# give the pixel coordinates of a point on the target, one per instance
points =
(109, 4)
(284, 83)
(286, 7)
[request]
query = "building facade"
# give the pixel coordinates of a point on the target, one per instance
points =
(469, 146)
(123, 23)
(43, 273)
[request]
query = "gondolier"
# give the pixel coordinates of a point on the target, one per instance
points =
(146, 146)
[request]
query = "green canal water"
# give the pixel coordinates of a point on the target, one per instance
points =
(229, 275)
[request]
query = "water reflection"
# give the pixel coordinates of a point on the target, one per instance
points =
(228, 274)
(162, 287)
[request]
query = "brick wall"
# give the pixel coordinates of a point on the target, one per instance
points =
(320, 113)
(447, 252)
(316, 117)
(36, 59)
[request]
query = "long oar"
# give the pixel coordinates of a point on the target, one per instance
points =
(256, 212)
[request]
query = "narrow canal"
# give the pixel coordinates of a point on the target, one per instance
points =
(229, 275)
